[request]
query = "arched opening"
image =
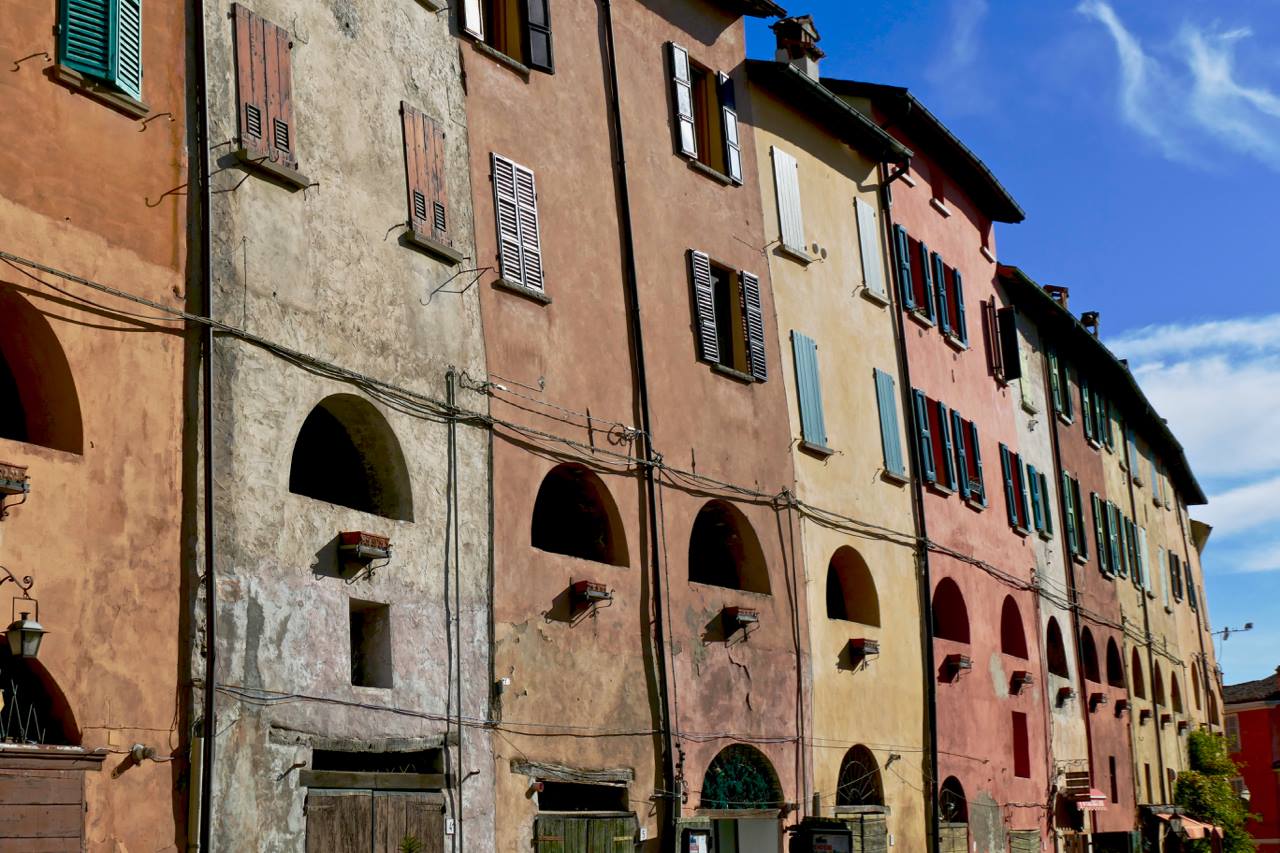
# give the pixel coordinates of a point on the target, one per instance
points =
(1055, 649)
(1213, 707)
(724, 550)
(1135, 672)
(950, 615)
(1157, 686)
(1115, 664)
(1195, 685)
(38, 399)
(1089, 656)
(1013, 637)
(35, 708)
(860, 783)
(347, 454)
(851, 591)
(741, 777)
(575, 515)
(952, 805)
(1175, 693)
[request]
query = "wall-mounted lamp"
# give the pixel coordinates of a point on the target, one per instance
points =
(1021, 679)
(24, 634)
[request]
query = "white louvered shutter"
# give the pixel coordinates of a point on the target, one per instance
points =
(530, 233)
(786, 180)
(507, 213)
(869, 246)
(753, 324)
(682, 97)
(704, 302)
(729, 116)
(472, 18)
(128, 71)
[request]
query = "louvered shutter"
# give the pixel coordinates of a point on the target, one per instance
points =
(1067, 402)
(86, 36)
(507, 214)
(991, 329)
(902, 251)
(786, 182)
(279, 71)
(1054, 385)
(940, 285)
(264, 77)
(1037, 510)
(890, 438)
(1113, 538)
(127, 72)
(947, 446)
(1010, 358)
(1099, 532)
(809, 389)
(538, 35)
(1080, 531)
(869, 247)
(1020, 473)
(1086, 408)
(1048, 506)
(704, 302)
(424, 158)
(1144, 564)
(1069, 512)
(975, 449)
(1160, 570)
(729, 118)
(530, 232)
(962, 324)
(753, 324)
(962, 455)
(926, 281)
(924, 438)
(471, 17)
(1191, 587)
(682, 99)
(1010, 498)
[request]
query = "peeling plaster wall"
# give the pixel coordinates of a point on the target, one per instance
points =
(323, 271)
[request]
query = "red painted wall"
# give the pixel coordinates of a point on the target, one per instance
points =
(1259, 749)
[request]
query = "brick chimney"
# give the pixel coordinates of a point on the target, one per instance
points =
(1092, 321)
(798, 43)
(1058, 293)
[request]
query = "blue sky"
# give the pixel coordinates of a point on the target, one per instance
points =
(1143, 140)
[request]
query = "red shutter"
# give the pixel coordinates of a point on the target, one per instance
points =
(425, 175)
(264, 79)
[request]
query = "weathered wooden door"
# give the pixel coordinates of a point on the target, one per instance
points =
(566, 834)
(398, 816)
(373, 821)
(42, 799)
(339, 821)
(953, 838)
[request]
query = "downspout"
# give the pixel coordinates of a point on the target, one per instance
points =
(922, 532)
(460, 771)
(1202, 613)
(636, 329)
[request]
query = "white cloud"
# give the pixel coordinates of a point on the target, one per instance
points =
(1255, 334)
(954, 73)
(1244, 508)
(1187, 98)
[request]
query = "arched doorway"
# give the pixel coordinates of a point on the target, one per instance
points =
(860, 799)
(953, 817)
(740, 784)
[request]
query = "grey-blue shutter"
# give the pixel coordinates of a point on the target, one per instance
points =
(1086, 408)
(85, 36)
(1037, 507)
(127, 72)
(869, 247)
(1131, 450)
(902, 251)
(729, 118)
(948, 450)
(1010, 498)
(1020, 472)
(962, 325)
(1069, 513)
(940, 285)
(962, 455)
(682, 100)
(924, 437)
(926, 275)
(753, 324)
(1100, 532)
(538, 35)
(704, 304)
(809, 389)
(975, 448)
(1044, 497)
(890, 440)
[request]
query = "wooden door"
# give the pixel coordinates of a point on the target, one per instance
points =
(41, 810)
(568, 834)
(339, 821)
(953, 838)
(400, 816)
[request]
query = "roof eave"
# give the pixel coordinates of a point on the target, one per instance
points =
(755, 8)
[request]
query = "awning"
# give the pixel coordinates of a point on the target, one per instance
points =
(1091, 801)
(1193, 828)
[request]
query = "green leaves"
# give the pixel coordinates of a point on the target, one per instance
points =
(1205, 791)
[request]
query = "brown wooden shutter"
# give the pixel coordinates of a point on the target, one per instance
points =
(424, 160)
(264, 80)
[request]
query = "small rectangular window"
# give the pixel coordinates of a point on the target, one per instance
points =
(370, 644)
(730, 319)
(1115, 782)
(706, 115)
(519, 29)
(1021, 746)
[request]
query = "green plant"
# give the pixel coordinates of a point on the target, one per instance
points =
(1206, 794)
(410, 844)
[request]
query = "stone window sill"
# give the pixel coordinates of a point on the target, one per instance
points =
(920, 318)
(986, 253)
(101, 92)
(937, 205)
(714, 174)
(291, 178)
(819, 450)
(895, 479)
(521, 290)
(432, 5)
(732, 373)
(501, 58)
(800, 256)
(430, 245)
(878, 298)
(955, 342)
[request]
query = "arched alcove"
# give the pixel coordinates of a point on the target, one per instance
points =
(1115, 664)
(347, 454)
(1089, 657)
(860, 783)
(950, 615)
(741, 777)
(851, 591)
(1195, 685)
(38, 399)
(724, 550)
(1013, 636)
(35, 709)
(1055, 649)
(1157, 686)
(953, 807)
(1135, 673)
(1175, 693)
(575, 515)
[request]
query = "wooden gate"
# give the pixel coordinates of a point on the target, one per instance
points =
(373, 821)
(42, 798)
(587, 834)
(953, 838)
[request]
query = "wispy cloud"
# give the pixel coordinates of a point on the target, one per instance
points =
(955, 73)
(1187, 97)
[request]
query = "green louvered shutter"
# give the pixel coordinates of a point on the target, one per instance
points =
(1099, 532)
(887, 399)
(127, 72)
(812, 427)
(1020, 470)
(924, 438)
(1069, 512)
(85, 36)
(1086, 407)
(940, 285)
(1044, 497)
(962, 455)
(1079, 503)
(1037, 508)
(976, 449)
(1054, 381)
(1010, 498)
(926, 276)
(1191, 587)
(902, 251)
(962, 325)
(948, 450)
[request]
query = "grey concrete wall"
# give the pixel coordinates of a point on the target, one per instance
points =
(323, 271)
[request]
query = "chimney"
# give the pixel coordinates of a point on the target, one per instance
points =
(1058, 293)
(798, 43)
(1092, 321)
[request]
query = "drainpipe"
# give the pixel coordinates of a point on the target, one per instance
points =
(636, 329)
(1201, 614)
(922, 532)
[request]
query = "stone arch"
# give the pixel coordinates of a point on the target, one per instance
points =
(851, 591)
(1056, 650)
(347, 454)
(38, 399)
(741, 777)
(574, 514)
(953, 807)
(1013, 636)
(724, 550)
(950, 615)
(860, 783)
(1089, 657)
(1195, 685)
(1115, 665)
(35, 708)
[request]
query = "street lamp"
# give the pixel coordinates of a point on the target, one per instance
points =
(24, 634)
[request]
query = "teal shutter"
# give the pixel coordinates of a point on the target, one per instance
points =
(1080, 531)
(1010, 499)
(962, 325)
(1086, 407)
(1054, 383)
(805, 351)
(1068, 405)
(1113, 538)
(962, 455)
(886, 398)
(128, 54)
(902, 248)
(1099, 532)
(1020, 472)
(1044, 498)
(1069, 512)
(948, 450)
(926, 276)
(1037, 508)
(85, 36)
(940, 284)
(976, 449)
(924, 437)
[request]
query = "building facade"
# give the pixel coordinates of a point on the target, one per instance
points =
(1253, 733)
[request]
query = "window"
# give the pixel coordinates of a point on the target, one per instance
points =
(1135, 673)
(426, 180)
(964, 437)
(1135, 458)
(346, 454)
(515, 205)
(724, 550)
(1175, 576)
(741, 777)
(1195, 684)
(264, 81)
(860, 783)
(370, 644)
(1015, 489)
(1089, 656)
(813, 428)
(520, 29)
(581, 797)
(890, 436)
(575, 515)
(1013, 638)
(924, 437)
(943, 449)
(1021, 745)
(786, 183)
(39, 403)
(950, 615)
(1100, 533)
(948, 286)
(1060, 383)
(102, 39)
(1001, 329)
(706, 115)
(1041, 512)
(730, 320)
(1115, 782)
(1191, 587)
(1055, 650)
(851, 591)
(953, 806)
(1097, 416)
(1233, 732)
(1073, 510)
(869, 248)
(916, 275)
(1115, 667)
